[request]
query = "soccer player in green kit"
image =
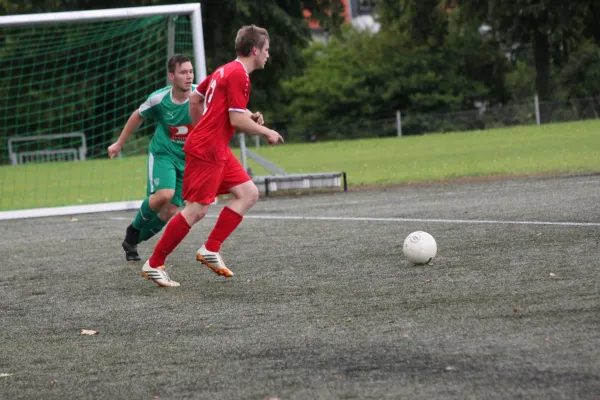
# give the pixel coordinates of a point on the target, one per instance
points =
(166, 159)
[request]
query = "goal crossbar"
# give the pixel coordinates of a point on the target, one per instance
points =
(99, 15)
(192, 9)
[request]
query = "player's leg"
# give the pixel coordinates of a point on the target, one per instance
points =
(152, 209)
(169, 207)
(200, 184)
(161, 185)
(245, 196)
(176, 230)
(237, 182)
(158, 222)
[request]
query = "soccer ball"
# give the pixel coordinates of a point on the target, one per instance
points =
(420, 247)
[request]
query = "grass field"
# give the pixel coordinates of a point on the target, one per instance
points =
(323, 304)
(557, 148)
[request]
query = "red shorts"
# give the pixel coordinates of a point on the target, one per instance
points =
(207, 177)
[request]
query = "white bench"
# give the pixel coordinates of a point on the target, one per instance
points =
(272, 183)
(281, 180)
(45, 151)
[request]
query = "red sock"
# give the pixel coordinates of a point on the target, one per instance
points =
(226, 223)
(174, 233)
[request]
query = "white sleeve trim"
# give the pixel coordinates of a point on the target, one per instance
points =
(196, 90)
(237, 110)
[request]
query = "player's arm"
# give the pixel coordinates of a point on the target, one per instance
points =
(133, 123)
(196, 103)
(238, 91)
(256, 117)
(242, 121)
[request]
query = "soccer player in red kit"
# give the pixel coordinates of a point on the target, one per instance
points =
(219, 103)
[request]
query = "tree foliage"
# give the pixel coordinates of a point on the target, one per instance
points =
(550, 28)
(442, 64)
(430, 55)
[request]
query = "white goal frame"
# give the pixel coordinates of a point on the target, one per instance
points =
(191, 9)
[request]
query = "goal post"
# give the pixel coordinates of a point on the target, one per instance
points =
(68, 83)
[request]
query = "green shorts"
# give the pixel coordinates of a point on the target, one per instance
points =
(165, 172)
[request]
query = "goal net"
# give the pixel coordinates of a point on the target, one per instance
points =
(68, 84)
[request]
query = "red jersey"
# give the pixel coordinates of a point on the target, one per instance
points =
(226, 89)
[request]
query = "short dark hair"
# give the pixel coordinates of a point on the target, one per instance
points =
(250, 36)
(176, 59)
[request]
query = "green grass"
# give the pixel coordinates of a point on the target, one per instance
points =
(74, 183)
(557, 148)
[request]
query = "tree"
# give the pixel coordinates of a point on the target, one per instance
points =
(423, 59)
(550, 27)
(424, 21)
(289, 36)
(581, 75)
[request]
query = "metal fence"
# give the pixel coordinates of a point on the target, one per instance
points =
(406, 123)
(524, 113)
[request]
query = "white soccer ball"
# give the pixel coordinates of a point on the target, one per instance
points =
(420, 247)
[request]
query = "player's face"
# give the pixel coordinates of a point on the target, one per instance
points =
(262, 55)
(183, 76)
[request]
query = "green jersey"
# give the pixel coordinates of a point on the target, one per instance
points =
(174, 122)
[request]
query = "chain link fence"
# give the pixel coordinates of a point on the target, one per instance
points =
(406, 123)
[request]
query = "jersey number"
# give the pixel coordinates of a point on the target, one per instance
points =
(209, 94)
(211, 90)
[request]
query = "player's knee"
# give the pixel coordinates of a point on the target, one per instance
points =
(168, 211)
(251, 195)
(194, 212)
(163, 197)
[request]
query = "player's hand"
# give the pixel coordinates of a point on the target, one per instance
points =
(114, 149)
(273, 137)
(258, 118)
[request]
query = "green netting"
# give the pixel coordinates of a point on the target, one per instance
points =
(82, 80)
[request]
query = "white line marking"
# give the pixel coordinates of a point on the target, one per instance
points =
(377, 219)
(70, 210)
(585, 182)
(443, 221)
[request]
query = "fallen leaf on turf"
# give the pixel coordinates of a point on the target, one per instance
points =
(516, 309)
(88, 332)
(348, 320)
(4, 375)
